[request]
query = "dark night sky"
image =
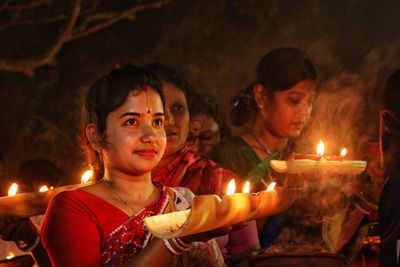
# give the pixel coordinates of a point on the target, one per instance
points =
(354, 44)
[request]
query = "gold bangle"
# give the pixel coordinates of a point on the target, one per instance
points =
(181, 248)
(169, 246)
(25, 247)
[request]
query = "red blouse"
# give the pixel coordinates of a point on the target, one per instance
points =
(81, 229)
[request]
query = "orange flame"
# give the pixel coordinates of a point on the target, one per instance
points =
(87, 177)
(271, 186)
(10, 255)
(231, 187)
(13, 190)
(343, 152)
(44, 188)
(321, 148)
(246, 187)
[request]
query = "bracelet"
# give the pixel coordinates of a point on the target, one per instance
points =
(170, 247)
(24, 247)
(179, 245)
(176, 246)
(364, 205)
(183, 243)
(361, 209)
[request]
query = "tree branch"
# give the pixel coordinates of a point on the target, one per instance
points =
(29, 22)
(28, 5)
(28, 66)
(127, 14)
(91, 22)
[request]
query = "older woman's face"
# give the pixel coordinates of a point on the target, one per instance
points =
(177, 118)
(204, 133)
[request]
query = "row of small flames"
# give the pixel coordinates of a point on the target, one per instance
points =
(13, 190)
(85, 179)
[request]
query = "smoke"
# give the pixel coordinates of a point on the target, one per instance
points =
(346, 111)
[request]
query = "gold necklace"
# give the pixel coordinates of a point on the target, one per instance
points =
(263, 147)
(115, 193)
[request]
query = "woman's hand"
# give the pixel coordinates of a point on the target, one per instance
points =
(20, 230)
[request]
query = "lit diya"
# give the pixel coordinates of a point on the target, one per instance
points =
(322, 217)
(210, 212)
(32, 203)
(311, 163)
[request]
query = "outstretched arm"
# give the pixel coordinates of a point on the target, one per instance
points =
(26, 236)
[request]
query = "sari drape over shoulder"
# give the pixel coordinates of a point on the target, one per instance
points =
(235, 154)
(201, 176)
(122, 244)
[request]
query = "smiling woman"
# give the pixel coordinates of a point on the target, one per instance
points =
(124, 136)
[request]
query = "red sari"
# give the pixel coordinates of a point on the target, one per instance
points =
(81, 229)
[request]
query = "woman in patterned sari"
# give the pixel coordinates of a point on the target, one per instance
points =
(179, 166)
(124, 137)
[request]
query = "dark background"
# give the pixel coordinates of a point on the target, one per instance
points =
(217, 43)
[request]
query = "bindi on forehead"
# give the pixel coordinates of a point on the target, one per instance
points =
(146, 90)
(144, 100)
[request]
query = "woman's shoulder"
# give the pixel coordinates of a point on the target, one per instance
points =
(68, 195)
(230, 148)
(70, 198)
(230, 142)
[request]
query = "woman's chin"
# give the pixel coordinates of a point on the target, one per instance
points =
(294, 133)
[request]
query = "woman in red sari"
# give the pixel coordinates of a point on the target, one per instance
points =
(102, 224)
(179, 166)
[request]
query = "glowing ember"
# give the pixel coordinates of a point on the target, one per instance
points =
(87, 177)
(343, 152)
(10, 255)
(231, 187)
(321, 148)
(13, 190)
(246, 187)
(43, 188)
(271, 186)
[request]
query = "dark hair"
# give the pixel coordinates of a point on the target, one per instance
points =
(205, 104)
(106, 95)
(39, 170)
(391, 94)
(278, 70)
(174, 76)
(389, 120)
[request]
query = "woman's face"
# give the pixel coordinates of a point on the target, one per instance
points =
(135, 135)
(289, 111)
(177, 118)
(203, 134)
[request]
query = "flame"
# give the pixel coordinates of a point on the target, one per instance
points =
(343, 152)
(320, 148)
(87, 177)
(43, 188)
(271, 186)
(13, 190)
(231, 187)
(246, 187)
(10, 255)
